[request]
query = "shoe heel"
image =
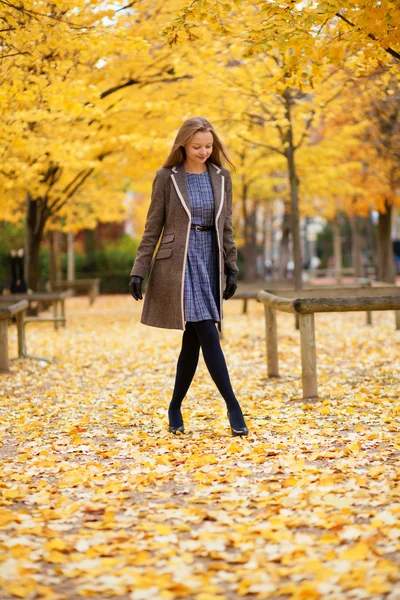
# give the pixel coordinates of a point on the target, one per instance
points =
(176, 430)
(241, 431)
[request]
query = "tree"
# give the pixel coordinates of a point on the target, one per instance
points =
(62, 124)
(308, 37)
(331, 26)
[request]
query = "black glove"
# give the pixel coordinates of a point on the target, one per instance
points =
(231, 285)
(135, 286)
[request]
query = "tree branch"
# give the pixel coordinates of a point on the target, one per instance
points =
(74, 185)
(125, 7)
(262, 145)
(14, 54)
(305, 130)
(370, 35)
(143, 83)
(36, 15)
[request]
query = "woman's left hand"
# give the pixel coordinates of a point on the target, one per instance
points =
(231, 285)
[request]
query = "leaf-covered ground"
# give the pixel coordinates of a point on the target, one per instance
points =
(99, 500)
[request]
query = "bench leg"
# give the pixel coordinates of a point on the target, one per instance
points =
(21, 335)
(4, 360)
(22, 353)
(245, 306)
(272, 341)
(63, 312)
(308, 356)
(397, 317)
(369, 317)
(55, 313)
(92, 295)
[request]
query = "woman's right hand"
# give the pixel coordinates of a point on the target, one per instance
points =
(135, 286)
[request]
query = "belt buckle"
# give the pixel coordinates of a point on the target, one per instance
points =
(197, 227)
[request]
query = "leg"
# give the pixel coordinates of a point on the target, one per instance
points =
(55, 312)
(272, 341)
(4, 360)
(21, 334)
(397, 318)
(63, 312)
(185, 370)
(216, 365)
(308, 356)
(13, 262)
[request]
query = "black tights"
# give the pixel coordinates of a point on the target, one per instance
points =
(204, 334)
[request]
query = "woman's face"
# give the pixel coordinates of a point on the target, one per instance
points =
(200, 147)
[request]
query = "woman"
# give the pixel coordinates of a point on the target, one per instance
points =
(191, 205)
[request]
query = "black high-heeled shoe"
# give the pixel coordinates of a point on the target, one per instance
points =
(176, 430)
(237, 430)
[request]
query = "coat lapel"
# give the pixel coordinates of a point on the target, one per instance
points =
(179, 178)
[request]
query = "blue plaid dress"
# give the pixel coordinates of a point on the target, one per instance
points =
(201, 290)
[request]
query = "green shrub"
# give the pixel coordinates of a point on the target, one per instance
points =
(112, 264)
(11, 237)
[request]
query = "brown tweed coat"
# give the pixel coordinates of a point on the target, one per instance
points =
(169, 216)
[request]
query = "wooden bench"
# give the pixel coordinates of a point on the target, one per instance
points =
(369, 271)
(7, 311)
(245, 296)
(281, 288)
(91, 286)
(9, 308)
(54, 299)
(336, 290)
(305, 305)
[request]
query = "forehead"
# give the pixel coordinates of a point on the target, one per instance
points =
(202, 137)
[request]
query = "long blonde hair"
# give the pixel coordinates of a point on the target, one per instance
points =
(185, 134)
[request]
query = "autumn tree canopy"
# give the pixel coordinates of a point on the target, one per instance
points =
(92, 97)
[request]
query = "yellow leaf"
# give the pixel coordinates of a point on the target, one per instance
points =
(354, 553)
(8, 516)
(57, 557)
(22, 590)
(55, 544)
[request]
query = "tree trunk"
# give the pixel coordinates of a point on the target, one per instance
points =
(55, 257)
(356, 246)
(284, 254)
(36, 216)
(337, 248)
(370, 242)
(386, 266)
(249, 236)
(71, 257)
(294, 195)
(250, 248)
(267, 244)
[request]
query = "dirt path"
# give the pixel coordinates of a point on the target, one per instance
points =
(99, 500)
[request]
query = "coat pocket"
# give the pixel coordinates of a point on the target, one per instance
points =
(163, 253)
(167, 238)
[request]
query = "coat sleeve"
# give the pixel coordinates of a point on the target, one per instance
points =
(230, 251)
(153, 227)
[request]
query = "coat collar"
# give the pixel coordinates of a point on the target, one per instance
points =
(217, 182)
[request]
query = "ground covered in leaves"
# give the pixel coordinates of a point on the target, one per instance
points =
(99, 500)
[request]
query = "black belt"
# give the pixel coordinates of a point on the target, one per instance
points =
(202, 227)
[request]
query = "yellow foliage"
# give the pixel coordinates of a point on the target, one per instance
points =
(198, 515)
